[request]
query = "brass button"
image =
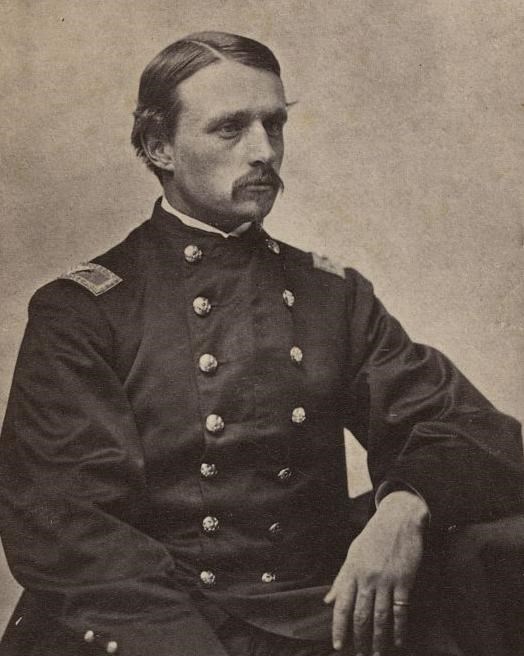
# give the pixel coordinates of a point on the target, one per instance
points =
(192, 254)
(207, 363)
(112, 647)
(288, 297)
(296, 354)
(273, 246)
(89, 636)
(208, 471)
(214, 423)
(298, 416)
(268, 577)
(284, 474)
(210, 524)
(201, 306)
(208, 578)
(275, 530)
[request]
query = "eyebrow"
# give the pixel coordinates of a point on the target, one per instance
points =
(244, 116)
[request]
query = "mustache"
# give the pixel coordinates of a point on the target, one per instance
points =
(262, 176)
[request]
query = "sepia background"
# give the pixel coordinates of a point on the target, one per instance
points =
(404, 156)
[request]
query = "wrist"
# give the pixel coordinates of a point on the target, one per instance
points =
(407, 506)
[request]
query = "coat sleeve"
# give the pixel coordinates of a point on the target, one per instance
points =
(73, 487)
(423, 424)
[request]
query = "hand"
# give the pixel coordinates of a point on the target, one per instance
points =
(380, 568)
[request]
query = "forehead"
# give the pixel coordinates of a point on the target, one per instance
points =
(227, 87)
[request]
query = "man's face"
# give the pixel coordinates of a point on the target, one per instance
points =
(228, 144)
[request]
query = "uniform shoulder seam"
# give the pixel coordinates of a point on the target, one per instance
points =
(324, 263)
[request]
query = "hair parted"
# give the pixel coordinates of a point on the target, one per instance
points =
(158, 104)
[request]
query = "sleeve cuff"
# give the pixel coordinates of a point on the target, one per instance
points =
(386, 487)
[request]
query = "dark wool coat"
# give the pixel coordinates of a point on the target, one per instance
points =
(173, 445)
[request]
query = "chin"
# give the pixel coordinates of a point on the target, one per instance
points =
(255, 211)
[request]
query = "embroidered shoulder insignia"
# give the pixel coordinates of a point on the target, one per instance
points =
(94, 277)
(325, 264)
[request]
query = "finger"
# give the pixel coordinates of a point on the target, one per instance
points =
(363, 620)
(400, 616)
(342, 612)
(332, 593)
(382, 618)
(330, 597)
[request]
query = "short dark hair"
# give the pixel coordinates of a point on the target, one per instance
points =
(158, 103)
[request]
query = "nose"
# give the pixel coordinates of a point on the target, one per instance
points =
(261, 149)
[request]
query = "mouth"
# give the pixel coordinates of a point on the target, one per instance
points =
(260, 186)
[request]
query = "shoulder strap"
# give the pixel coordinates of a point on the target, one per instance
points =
(325, 264)
(94, 277)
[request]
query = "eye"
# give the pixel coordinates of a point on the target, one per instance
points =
(230, 129)
(274, 127)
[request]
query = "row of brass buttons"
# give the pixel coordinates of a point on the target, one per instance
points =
(208, 578)
(215, 424)
(211, 524)
(193, 253)
(208, 364)
(202, 305)
(210, 470)
(111, 646)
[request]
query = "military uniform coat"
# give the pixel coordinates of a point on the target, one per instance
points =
(173, 445)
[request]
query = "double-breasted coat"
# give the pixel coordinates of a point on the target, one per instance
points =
(173, 445)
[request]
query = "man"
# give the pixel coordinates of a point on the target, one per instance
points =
(172, 466)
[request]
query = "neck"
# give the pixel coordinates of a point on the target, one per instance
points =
(202, 225)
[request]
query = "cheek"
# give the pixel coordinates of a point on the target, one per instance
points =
(195, 164)
(219, 172)
(196, 174)
(279, 150)
(204, 168)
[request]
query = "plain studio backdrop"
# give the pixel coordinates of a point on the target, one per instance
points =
(403, 156)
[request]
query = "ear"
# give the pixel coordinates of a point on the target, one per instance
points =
(159, 152)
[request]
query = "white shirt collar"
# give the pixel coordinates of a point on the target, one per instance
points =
(195, 223)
